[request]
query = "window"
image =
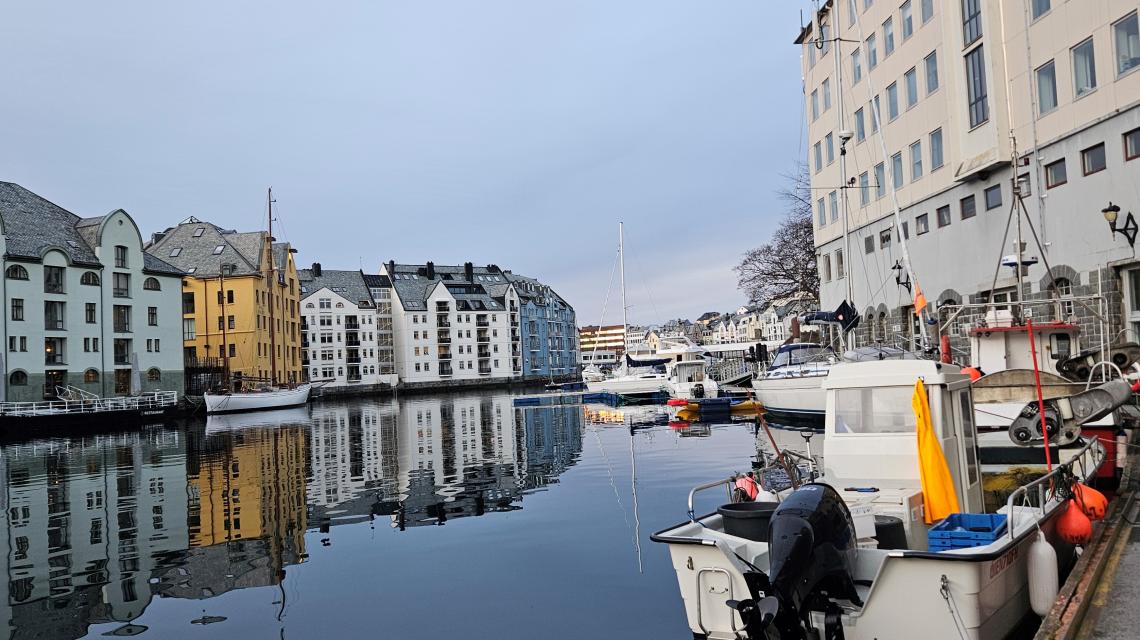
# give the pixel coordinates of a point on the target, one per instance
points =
(1092, 159)
(884, 238)
(943, 214)
(122, 285)
(869, 244)
(219, 249)
(906, 19)
(993, 197)
(120, 257)
(878, 410)
(897, 170)
(18, 379)
(927, 10)
(17, 309)
(1055, 174)
(880, 181)
(1039, 8)
(89, 278)
(122, 318)
(826, 88)
(1046, 88)
(931, 64)
(229, 296)
(153, 374)
(910, 80)
(175, 251)
(971, 21)
(872, 53)
(53, 279)
(152, 316)
(922, 224)
(888, 37)
(1126, 35)
(1132, 145)
(915, 160)
(892, 101)
(856, 66)
(1024, 184)
(189, 330)
(815, 105)
(818, 151)
(906, 231)
(822, 215)
(90, 376)
(1062, 288)
(935, 149)
(230, 324)
(976, 87)
(829, 143)
(825, 268)
(876, 114)
(151, 284)
(838, 271)
(1084, 68)
(864, 189)
(833, 200)
(824, 39)
(16, 272)
(89, 313)
(860, 130)
(233, 350)
(968, 207)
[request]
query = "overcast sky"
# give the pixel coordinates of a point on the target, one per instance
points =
(517, 132)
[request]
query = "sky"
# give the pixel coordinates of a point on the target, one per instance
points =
(511, 132)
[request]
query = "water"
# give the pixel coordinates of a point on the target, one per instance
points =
(429, 517)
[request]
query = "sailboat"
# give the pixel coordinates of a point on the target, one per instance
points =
(271, 395)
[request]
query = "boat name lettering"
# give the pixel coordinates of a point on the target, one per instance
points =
(1003, 563)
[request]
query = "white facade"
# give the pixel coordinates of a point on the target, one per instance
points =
(343, 341)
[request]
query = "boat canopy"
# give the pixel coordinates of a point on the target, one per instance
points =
(654, 362)
(801, 353)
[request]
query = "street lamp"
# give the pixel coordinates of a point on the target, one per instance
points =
(1111, 213)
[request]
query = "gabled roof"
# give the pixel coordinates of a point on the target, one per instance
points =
(193, 245)
(348, 284)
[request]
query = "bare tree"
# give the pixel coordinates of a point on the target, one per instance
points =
(785, 266)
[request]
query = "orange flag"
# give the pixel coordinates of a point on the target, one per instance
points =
(938, 494)
(919, 300)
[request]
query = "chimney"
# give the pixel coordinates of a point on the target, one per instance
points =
(392, 269)
(157, 237)
(316, 269)
(469, 271)
(430, 270)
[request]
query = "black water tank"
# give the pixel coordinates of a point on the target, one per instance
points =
(748, 520)
(890, 533)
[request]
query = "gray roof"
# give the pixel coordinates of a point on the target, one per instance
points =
(34, 225)
(413, 287)
(244, 251)
(376, 281)
(347, 284)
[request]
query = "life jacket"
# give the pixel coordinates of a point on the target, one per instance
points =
(748, 486)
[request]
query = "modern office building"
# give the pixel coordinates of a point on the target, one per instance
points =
(82, 302)
(604, 338)
(226, 298)
(978, 104)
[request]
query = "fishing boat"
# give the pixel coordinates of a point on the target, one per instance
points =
(849, 550)
(76, 407)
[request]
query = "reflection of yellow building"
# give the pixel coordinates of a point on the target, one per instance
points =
(603, 416)
(231, 321)
(253, 488)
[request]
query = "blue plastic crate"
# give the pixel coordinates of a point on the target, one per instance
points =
(981, 527)
(946, 544)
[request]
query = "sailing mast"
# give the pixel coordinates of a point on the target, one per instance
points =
(844, 136)
(270, 282)
(624, 305)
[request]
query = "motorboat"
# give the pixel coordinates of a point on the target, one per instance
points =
(847, 551)
(260, 399)
(792, 385)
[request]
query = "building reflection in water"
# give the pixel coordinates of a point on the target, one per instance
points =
(97, 527)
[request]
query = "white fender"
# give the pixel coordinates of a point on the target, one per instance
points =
(1043, 582)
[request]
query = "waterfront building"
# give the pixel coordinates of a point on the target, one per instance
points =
(82, 301)
(548, 330)
(339, 337)
(226, 298)
(598, 358)
(603, 338)
(953, 87)
(381, 289)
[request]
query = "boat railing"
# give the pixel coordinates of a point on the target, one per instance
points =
(1044, 489)
(147, 401)
(729, 483)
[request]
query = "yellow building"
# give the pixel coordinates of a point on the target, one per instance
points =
(234, 313)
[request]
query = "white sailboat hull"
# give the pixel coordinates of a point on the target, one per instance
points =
(631, 385)
(257, 401)
(797, 396)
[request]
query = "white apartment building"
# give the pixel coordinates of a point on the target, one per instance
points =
(453, 324)
(955, 84)
(81, 300)
(340, 333)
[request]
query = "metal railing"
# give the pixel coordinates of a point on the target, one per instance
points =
(1089, 459)
(89, 404)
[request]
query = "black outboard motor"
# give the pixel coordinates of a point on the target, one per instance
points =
(812, 542)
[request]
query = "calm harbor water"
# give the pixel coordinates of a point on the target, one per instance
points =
(425, 517)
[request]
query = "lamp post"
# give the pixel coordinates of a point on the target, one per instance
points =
(1111, 214)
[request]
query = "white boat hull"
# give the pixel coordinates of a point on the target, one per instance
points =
(709, 389)
(631, 385)
(795, 396)
(257, 401)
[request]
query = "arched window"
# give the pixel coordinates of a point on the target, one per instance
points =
(17, 272)
(1062, 288)
(89, 278)
(309, 306)
(340, 305)
(18, 379)
(153, 374)
(91, 375)
(151, 284)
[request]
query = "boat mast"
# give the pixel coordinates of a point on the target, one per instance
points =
(270, 282)
(225, 321)
(624, 305)
(844, 136)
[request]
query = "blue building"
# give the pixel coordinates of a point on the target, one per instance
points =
(548, 331)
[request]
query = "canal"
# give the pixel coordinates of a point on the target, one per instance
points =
(426, 517)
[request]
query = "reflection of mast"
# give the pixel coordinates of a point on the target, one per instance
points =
(633, 490)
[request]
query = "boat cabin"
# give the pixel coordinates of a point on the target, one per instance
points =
(870, 448)
(1000, 344)
(802, 353)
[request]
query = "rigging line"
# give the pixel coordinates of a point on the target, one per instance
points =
(605, 304)
(610, 472)
(645, 283)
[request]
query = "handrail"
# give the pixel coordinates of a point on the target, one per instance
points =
(1040, 483)
(708, 485)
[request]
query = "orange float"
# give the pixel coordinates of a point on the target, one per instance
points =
(1074, 526)
(1092, 502)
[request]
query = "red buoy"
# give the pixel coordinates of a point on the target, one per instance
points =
(1074, 526)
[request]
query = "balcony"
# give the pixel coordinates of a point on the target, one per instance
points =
(442, 321)
(481, 321)
(54, 359)
(484, 352)
(51, 324)
(121, 359)
(443, 337)
(442, 307)
(445, 369)
(351, 342)
(482, 336)
(484, 371)
(444, 355)
(351, 326)
(514, 320)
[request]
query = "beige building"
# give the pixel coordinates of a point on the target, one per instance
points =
(956, 85)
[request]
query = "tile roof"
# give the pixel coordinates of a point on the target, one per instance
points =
(193, 245)
(376, 281)
(347, 284)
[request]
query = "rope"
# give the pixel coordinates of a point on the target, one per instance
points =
(959, 624)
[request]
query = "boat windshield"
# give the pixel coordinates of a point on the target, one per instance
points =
(802, 355)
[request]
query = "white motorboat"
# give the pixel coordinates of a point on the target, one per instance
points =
(792, 385)
(847, 556)
(258, 400)
(689, 379)
(646, 383)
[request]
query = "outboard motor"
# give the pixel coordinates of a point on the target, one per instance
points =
(812, 544)
(698, 391)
